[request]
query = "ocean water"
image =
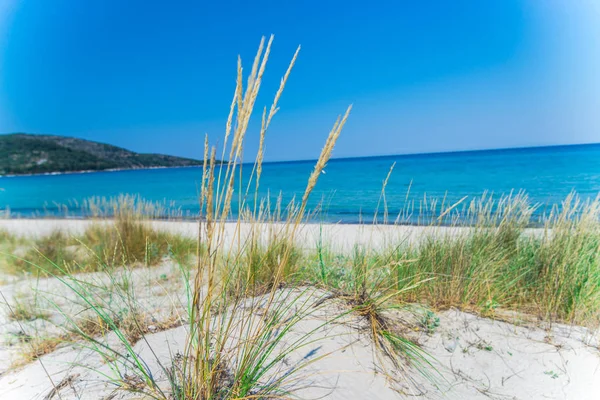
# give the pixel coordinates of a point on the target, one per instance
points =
(348, 191)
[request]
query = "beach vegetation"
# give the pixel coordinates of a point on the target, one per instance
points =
(242, 289)
(239, 316)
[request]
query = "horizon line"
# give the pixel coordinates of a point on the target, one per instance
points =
(488, 150)
(348, 158)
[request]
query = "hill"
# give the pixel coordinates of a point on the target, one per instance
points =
(37, 154)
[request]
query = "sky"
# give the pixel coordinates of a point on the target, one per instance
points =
(423, 76)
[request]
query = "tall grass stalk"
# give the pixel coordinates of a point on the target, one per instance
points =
(247, 264)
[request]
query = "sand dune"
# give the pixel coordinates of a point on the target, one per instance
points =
(472, 357)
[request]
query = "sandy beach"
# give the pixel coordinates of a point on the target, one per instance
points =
(342, 237)
(514, 356)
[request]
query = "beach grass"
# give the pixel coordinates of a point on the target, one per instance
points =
(237, 316)
(499, 262)
(128, 238)
(552, 272)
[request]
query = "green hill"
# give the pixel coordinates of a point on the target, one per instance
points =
(37, 154)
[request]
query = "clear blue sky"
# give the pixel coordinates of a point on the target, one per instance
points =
(154, 76)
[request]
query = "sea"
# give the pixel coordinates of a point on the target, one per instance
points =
(349, 190)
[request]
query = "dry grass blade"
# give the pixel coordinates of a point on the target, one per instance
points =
(322, 161)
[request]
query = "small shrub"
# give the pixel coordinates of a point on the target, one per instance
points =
(430, 322)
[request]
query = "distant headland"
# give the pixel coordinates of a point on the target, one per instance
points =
(27, 154)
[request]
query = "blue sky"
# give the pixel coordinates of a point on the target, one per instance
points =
(423, 76)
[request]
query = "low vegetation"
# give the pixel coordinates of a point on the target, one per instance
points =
(129, 238)
(552, 272)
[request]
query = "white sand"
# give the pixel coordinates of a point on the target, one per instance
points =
(477, 358)
(339, 236)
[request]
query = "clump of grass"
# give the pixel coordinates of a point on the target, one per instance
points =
(251, 361)
(181, 249)
(363, 282)
(26, 311)
(132, 239)
(91, 326)
(361, 279)
(564, 273)
(132, 323)
(43, 253)
(125, 205)
(6, 237)
(265, 265)
(465, 268)
(34, 348)
(553, 272)
(129, 240)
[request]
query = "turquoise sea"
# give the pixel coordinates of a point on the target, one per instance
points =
(349, 190)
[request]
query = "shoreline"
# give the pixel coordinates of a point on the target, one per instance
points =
(341, 237)
(195, 219)
(90, 171)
